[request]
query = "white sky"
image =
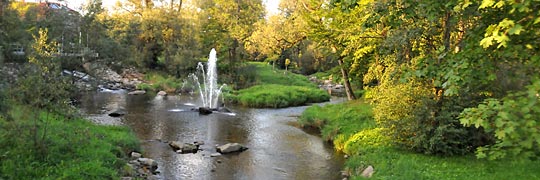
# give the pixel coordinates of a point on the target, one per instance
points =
(271, 5)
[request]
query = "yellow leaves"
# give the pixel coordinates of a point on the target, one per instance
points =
(499, 33)
(491, 4)
(365, 139)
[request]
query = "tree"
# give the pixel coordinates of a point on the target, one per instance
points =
(331, 25)
(230, 24)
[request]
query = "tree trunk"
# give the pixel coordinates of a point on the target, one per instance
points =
(345, 76)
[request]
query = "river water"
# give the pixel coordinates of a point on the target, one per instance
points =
(277, 149)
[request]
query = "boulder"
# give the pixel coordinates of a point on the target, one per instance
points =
(368, 172)
(231, 147)
(135, 155)
(117, 113)
(162, 93)
(138, 92)
(215, 154)
(148, 163)
(184, 147)
(205, 111)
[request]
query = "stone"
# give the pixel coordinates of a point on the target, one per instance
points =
(138, 92)
(136, 155)
(215, 154)
(346, 156)
(180, 147)
(327, 82)
(117, 113)
(148, 162)
(368, 172)
(205, 111)
(126, 178)
(135, 162)
(345, 174)
(162, 93)
(231, 147)
(198, 143)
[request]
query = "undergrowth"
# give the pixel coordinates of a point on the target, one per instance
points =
(352, 129)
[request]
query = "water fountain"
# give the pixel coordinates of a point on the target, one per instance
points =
(208, 87)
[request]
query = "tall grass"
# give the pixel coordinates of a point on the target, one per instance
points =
(69, 149)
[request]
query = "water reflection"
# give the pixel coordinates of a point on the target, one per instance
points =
(277, 149)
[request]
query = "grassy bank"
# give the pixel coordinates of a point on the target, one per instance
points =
(50, 146)
(352, 129)
(160, 82)
(277, 89)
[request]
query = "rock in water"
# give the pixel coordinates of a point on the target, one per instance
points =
(138, 92)
(205, 111)
(148, 162)
(231, 147)
(136, 155)
(162, 93)
(368, 172)
(184, 147)
(117, 113)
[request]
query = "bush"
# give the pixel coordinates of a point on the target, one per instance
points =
(513, 120)
(415, 119)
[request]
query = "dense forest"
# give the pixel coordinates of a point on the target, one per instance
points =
(444, 78)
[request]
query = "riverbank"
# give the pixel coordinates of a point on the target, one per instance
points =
(351, 127)
(278, 89)
(53, 146)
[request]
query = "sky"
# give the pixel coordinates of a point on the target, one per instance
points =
(271, 5)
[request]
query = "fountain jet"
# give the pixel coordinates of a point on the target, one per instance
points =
(208, 88)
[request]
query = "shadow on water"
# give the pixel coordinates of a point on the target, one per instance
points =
(277, 149)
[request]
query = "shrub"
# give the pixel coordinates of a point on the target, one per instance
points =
(513, 120)
(415, 119)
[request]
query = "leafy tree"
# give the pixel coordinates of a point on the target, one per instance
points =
(229, 24)
(509, 45)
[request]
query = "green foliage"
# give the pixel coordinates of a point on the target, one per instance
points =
(395, 107)
(76, 148)
(514, 122)
(356, 134)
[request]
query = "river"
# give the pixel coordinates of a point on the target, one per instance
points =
(277, 149)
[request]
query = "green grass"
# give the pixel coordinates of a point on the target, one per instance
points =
(64, 148)
(279, 96)
(267, 75)
(333, 119)
(278, 89)
(351, 127)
